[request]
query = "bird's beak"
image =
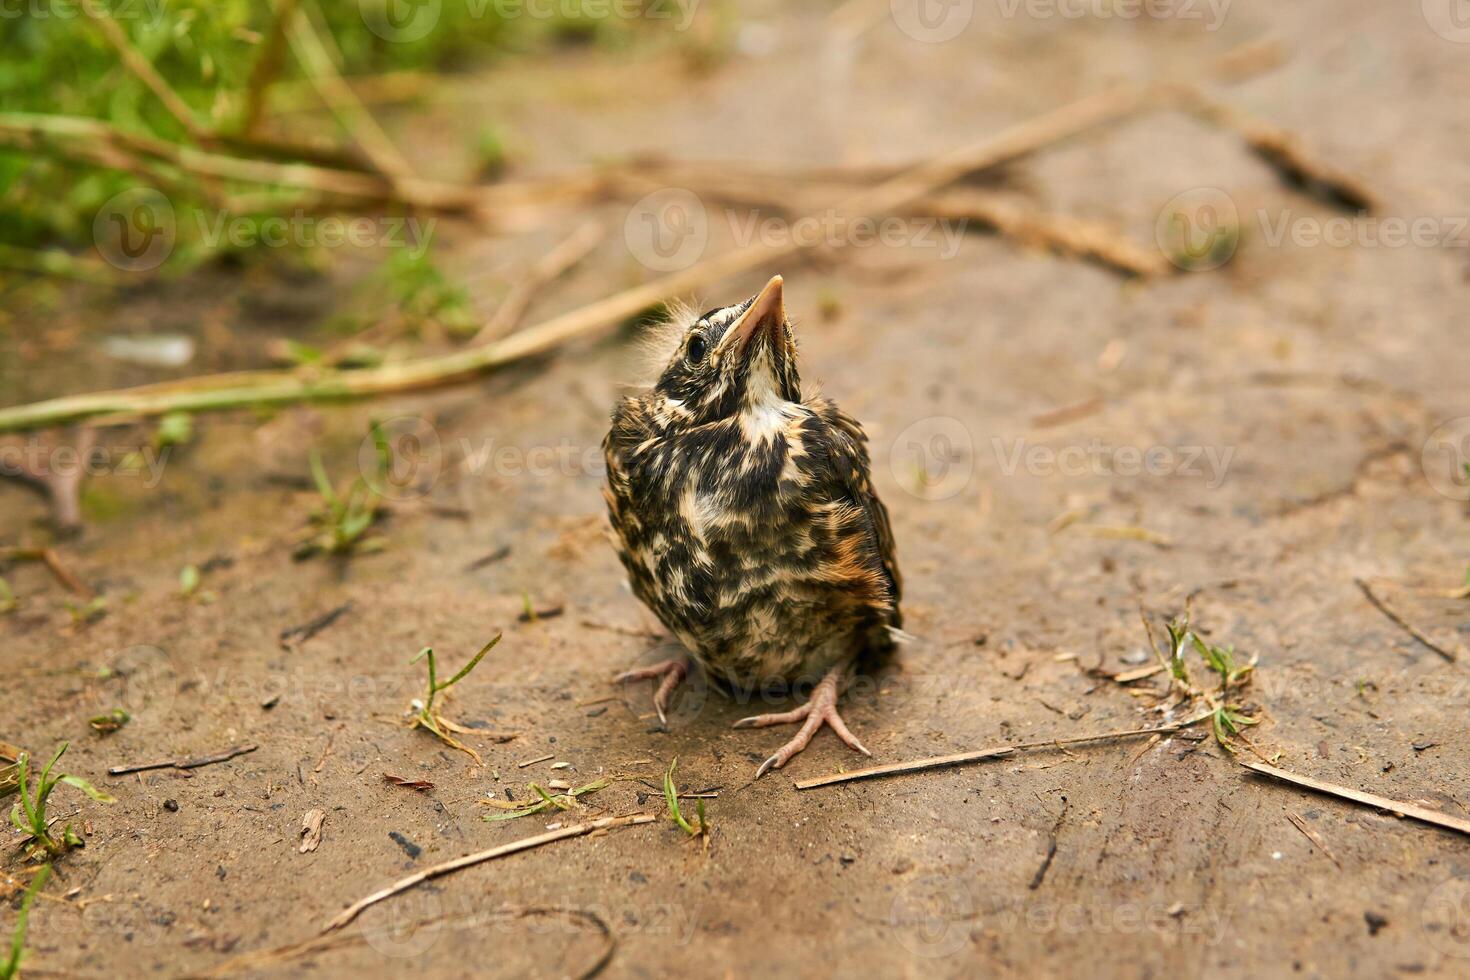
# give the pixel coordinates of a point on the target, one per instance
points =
(765, 318)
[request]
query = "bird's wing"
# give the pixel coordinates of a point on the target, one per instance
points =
(848, 445)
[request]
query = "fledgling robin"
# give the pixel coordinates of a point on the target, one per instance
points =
(746, 519)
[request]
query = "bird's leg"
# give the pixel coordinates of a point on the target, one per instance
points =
(668, 673)
(820, 707)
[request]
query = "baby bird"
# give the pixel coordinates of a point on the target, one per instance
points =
(746, 520)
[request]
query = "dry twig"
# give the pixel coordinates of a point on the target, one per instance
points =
(337, 94)
(1286, 154)
(1314, 837)
(267, 66)
(1000, 751)
(193, 762)
(53, 563)
(1382, 605)
(552, 266)
(514, 847)
(1397, 808)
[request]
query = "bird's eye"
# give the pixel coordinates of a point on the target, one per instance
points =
(698, 347)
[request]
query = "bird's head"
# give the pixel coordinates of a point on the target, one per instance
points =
(733, 359)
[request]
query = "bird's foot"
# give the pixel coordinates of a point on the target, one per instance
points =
(669, 673)
(820, 707)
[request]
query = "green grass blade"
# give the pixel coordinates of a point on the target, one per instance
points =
(11, 966)
(323, 483)
(79, 783)
(23, 781)
(671, 795)
(473, 662)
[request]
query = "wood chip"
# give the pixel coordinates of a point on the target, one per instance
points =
(539, 758)
(1383, 606)
(311, 830)
(422, 785)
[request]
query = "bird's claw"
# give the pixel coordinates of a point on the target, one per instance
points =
(820, 710)
(668, 673)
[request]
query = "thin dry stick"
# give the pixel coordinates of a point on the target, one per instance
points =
(1382, 605)
(1027, 226)
(1395, 807)
(961, 758)
(338, 95)
(552, 266)
(267, 66)
(525, 844)
(192, 762)
(1313, 836)
(53, 563)
(140, 66)
(86, 139)
(1059, 233)
(1285, 154)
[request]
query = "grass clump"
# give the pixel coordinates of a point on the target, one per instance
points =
(424, 715)
(565, 800)
(1227, 716)
(671, 797)
(29, 813)
(342, 521)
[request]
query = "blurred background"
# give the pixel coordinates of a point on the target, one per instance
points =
(311, 318)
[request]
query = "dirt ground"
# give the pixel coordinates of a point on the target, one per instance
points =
(1286, 402)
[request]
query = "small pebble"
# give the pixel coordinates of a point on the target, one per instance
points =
(172, 806)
